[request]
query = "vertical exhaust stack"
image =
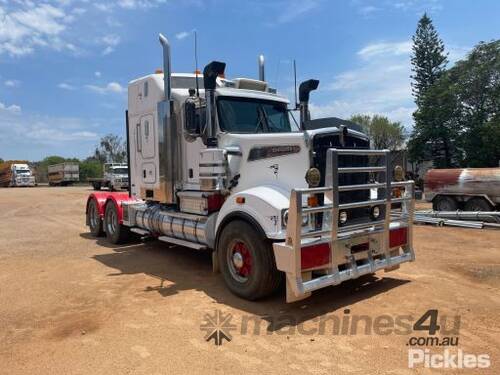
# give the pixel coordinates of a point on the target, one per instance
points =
(213, 161)
(304, 89)
(210, 74)
(169, 160)
(167, 85)
(262, 76)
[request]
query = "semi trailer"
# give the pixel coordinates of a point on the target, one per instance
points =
(468, 189)
(63, 174)
(221, 165)
(16, 173)
(115, 177)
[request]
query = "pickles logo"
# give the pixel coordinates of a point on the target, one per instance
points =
(218, 327)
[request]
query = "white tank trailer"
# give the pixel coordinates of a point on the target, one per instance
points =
(469, 189)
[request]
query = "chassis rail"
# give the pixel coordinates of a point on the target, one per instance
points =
(353, 249)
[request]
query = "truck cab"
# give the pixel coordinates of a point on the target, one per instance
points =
(116, 176)
(22, 176)
(220, 164)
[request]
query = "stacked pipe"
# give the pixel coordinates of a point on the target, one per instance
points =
(464, 219)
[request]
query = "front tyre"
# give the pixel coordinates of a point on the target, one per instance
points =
(247, 261)
(116, 233)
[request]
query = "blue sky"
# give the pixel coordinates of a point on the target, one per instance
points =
(65, 64)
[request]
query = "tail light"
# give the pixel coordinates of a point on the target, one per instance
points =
(314, 255)
(398, 237)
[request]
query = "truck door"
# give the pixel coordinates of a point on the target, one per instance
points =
(146, 134)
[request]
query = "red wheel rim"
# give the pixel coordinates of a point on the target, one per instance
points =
(242, 259)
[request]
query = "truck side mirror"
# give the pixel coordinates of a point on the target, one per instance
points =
(195, 116)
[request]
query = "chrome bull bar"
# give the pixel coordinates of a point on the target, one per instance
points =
(355, 249)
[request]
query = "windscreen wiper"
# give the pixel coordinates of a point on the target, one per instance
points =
(261, 124)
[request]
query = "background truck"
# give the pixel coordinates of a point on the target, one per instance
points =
(220, 164)
(16, 173)
(115, 177)
(63, 174)
(470, 189)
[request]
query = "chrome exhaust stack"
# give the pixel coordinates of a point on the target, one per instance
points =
(167, 73)
(169, 161)
(261, 69)
(304, 89)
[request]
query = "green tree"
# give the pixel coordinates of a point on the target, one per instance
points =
(111, 149)
(383, 133)
(42, 166)
(90, 168)
(465, 102)
(477, 90)
(430, 136)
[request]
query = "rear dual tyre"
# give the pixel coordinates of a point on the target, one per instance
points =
(116, 233)
(94, 219)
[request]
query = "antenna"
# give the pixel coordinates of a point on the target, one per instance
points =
(295, 83)
(196, 63)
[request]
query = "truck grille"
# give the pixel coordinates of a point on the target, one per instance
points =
(321, 143)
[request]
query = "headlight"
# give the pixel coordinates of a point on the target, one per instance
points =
(375, 212)
(284, 218)
(313, 177)
(343, 217)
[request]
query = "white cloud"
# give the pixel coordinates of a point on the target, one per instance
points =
(182, 35)
(293, 10)
(32, 137)
(110, 41)
(110, 6)
(418, 6)
(367, 10)
(26, 26)
(112, 87)
(12, 83)
(13, 108)
(104, 7)
(380, 84)
(97, 74)
(134, 4)
(384, 48)
(456, 53)
(66, 86)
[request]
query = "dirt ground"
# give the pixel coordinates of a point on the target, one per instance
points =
(73, 304)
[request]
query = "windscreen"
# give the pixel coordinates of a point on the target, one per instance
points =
(120, 170)
(247, 115)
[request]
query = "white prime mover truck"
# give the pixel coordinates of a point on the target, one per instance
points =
(219, 164)
(114, 177)
(16, 174)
